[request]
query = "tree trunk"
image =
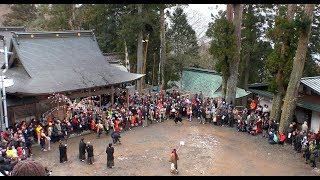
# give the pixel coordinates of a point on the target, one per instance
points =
(72, 18)
(277, 98)
(246, 71)
(139, 50)
(230, 12)
(126, 56)
(290, 99)
(225, 79)
(276, 107)
(224, 88)
(163, 54)
(233, 67)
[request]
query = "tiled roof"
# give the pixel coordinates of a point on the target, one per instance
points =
(61, 61)
(312, 82)
(7, 33)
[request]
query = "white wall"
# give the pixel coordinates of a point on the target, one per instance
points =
(267, 101)
(315, 121)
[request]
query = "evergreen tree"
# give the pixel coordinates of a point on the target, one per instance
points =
(20, 15)
(183, 50)
(254, 48)
(304, 29)
(279, 62)
(311, 67)
(62, 17)
(222, 47)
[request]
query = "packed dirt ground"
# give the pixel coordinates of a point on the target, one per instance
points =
(209, 150)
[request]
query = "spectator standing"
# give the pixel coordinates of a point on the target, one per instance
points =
(110, 157)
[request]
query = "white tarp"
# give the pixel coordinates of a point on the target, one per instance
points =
(6, 82)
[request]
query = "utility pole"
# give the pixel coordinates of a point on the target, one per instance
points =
(2, 83)
(3, 104)
(1, 113)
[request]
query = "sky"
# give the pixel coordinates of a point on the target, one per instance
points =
(199, 16)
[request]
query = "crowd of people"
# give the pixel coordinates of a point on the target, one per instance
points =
(143, 110)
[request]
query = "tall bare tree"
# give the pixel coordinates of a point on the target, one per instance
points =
(290, 100)
(233, 67)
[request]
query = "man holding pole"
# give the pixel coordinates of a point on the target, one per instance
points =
(174, 161)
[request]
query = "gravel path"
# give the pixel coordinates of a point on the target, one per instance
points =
(209, 150)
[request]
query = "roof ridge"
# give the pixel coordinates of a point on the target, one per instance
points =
(201, 69)
(55, 32)
(312, 77)
(12, 28)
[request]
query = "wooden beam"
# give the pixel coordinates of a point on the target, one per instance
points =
(89, 93)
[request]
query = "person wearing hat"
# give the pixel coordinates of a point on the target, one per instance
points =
(110, 157)
(90, 155)
(29, 168)
(82, 150)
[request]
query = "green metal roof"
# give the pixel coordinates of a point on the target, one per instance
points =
(300, 103)
(258, 85)
(308, 105)
(262, 92)
(201, 70)
(209, 82)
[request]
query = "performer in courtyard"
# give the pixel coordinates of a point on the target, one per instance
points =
(110, 157)
(174, 161)
(63, 152)
(82, 150)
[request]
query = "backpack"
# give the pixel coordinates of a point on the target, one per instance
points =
(275, 138)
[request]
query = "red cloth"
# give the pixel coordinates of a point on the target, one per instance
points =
(259, 126)
(282, 137)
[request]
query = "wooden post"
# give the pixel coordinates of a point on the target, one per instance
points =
(100, 103)
(127, 96)
(37, 110)
(14, 115)
(154, 63)
(58, 109)
(112, 95)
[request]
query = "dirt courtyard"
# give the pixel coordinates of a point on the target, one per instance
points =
(209, 150)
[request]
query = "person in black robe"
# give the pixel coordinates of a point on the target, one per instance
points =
(89, 149)
(63, 152)
(110, 157)
(82, 150)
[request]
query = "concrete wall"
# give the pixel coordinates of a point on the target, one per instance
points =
(315, 121)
